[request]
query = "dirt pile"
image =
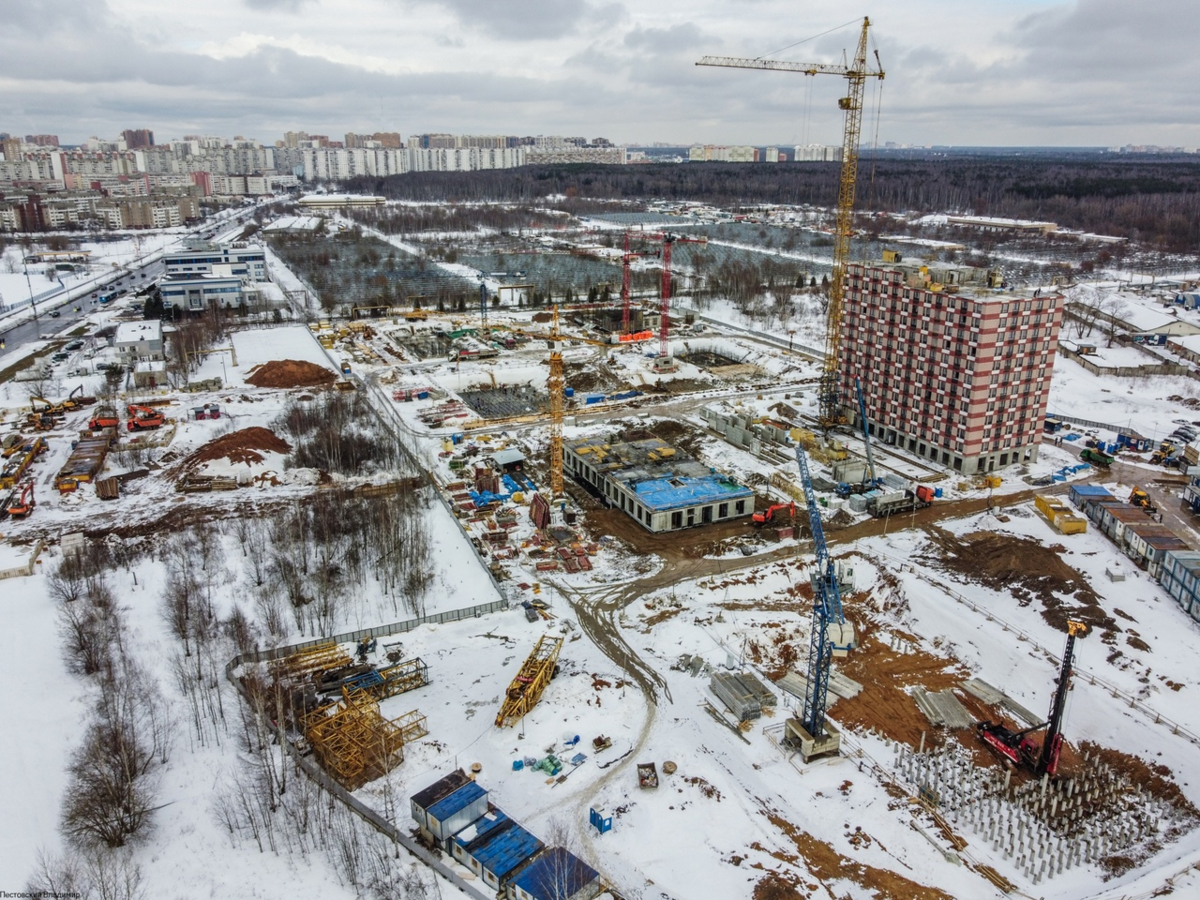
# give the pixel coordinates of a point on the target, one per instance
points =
(827, 865)
(291, 373)
(1027, 570)
(244, 446)
(886, 676)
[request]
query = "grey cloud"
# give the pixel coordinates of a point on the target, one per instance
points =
(676, 38)
(528, 20)
(292, 6)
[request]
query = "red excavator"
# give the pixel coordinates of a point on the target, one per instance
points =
(18, 509)
(142, 418)
(1016, 746)
(768, 517)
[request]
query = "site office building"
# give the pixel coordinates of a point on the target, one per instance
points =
(953, 368)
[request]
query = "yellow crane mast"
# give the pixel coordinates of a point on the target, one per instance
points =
(856, 74)
(555, 385)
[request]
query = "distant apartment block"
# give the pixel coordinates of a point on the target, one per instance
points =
(137, 138)
(817, 153)
(953, 368)
(718, 153)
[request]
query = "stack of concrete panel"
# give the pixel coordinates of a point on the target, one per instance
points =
(743, 694)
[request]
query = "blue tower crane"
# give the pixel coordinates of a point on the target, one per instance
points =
(819, 738)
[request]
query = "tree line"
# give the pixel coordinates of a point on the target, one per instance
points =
(1151, 200)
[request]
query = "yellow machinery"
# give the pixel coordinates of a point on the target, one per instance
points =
(306, 663)
(526, 689)
(356, 744)
(856, 74)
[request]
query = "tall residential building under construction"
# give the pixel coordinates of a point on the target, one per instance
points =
(954, 368)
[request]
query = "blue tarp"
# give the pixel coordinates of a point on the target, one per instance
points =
(511, 484)
(675, 492)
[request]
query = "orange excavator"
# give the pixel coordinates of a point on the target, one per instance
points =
(143, 418)
(20, 508)
(768, 517)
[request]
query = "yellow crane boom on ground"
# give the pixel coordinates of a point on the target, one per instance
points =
(856, 74)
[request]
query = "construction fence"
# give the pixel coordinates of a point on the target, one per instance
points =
(313, 769)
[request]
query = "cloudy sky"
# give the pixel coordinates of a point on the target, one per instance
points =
(965, 72)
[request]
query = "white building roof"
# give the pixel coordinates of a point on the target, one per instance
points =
(135, 332)
(1142, 318)
(1187, 342)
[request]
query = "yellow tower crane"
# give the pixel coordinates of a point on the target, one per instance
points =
(856, 74)
(555, 385)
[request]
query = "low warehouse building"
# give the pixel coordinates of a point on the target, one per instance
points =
(660, 487)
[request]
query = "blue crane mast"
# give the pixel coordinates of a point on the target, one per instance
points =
(827, 610)
(862, 413)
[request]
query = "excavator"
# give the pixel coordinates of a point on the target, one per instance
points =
(1017, 747)
(142, 418)
(1138, 497)
(20, 508)
(768, 517)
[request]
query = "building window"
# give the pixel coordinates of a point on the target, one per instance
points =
(723, 511)
(740, 507)
(677, 520)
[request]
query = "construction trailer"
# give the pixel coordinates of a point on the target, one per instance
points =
(495, 848)
(531, 681)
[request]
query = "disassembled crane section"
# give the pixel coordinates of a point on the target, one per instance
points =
(355, 744)
(812, 734)
(526, 689)
(1018, 747)
(856, 74)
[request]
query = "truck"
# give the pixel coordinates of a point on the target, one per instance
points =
(908, 500)
(1096, 457)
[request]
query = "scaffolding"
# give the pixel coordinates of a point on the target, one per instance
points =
(355, 744)
(526, 689)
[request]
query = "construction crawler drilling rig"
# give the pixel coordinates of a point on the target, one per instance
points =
(1019, 747)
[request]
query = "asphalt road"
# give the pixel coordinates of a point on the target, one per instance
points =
(47, 326)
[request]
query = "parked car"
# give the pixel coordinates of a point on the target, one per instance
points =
(54, 313)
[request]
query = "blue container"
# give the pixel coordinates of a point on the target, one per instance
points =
(937, 493)
(518, 765)
(593, 398)
(569, 392)
(422, 395)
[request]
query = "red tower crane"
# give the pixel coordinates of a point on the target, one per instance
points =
(668, 241)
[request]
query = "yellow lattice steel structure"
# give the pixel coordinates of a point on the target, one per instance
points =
(356, 744)
(856, 74)
(555, 385)
(308, 662)
(526, 689)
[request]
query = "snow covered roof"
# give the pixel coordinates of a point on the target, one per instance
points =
(135, 332)
(1186, 341)
(1142, 318)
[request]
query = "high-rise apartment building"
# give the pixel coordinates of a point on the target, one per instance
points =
(954, 368)
(137, 139)
(42, 140)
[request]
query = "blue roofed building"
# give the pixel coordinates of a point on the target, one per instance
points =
(557, 874)
(448, 806)
(656, 484)
(495, 848)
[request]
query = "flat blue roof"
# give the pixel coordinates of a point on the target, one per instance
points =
(474, 834)
(1089, 490)
(556, 873)
(460, 799)
(502, 850)
(673, 492)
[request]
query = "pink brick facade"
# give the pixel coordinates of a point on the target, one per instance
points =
(961, 378)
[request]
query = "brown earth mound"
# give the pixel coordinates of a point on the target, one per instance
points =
(242, 446)
(290, 373)
(1027, 570)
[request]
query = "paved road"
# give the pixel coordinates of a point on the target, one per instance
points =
(48, 326)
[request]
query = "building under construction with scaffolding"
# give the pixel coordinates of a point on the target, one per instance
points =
(661, 487)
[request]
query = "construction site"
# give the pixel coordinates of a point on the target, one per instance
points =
(540, 515)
